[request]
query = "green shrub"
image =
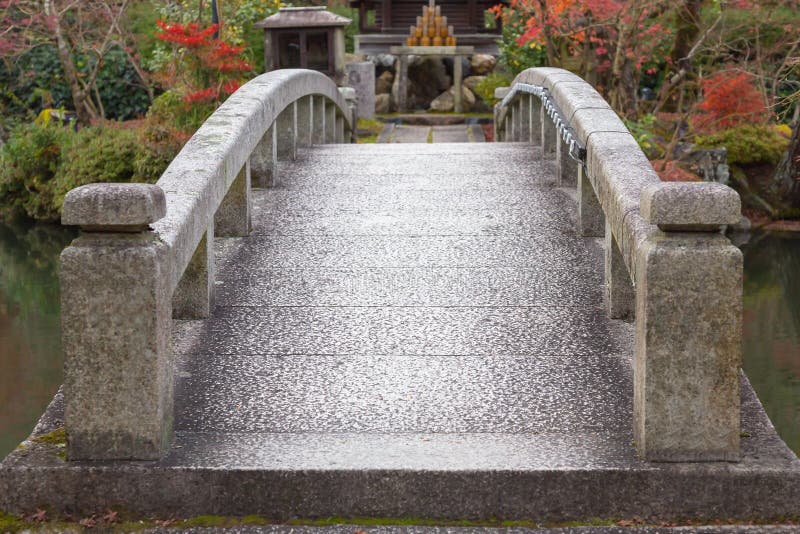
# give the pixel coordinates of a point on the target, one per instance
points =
(169, 124)
(28, 165)
(40, 164)
(485, 88)
(97, 154)
(748, 144)
(643, 131)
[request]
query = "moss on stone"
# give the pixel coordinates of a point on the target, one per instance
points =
(57, 437)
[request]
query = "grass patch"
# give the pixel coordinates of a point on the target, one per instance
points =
(369, 130)
(9, 523)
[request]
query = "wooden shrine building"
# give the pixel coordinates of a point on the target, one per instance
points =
(392, 19)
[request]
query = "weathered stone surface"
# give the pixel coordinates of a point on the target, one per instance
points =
(383, 84)
(690, 206)
(116, 325)
(481, 64)
(471, 82)
(501, 92)
(688, 348)
(383, 103)
(446, 101)
(361, 77)
(194, 296)
(114, 207)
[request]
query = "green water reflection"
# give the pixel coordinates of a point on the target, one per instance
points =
(30, 349)
(772, 327)
(30, 339)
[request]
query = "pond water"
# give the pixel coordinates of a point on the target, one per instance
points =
(30, 348)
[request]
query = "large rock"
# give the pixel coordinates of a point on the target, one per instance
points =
(383, 85)
(482, 64)
(383, 103)
(427, 78)
(383, 60)
(446, 101)
(472, 82)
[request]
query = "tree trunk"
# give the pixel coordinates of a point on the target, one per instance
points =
(547, 31)
(786, 179)
(79, 95)
(624, 84)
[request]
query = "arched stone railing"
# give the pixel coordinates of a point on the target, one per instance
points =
(667, 263)
(145, 255)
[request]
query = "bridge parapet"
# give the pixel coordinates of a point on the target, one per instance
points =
(667, 264)
(145, 255)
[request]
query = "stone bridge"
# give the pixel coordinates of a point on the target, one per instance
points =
(290, 325)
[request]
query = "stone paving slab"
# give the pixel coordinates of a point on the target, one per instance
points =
(491, 251)
(434, 331)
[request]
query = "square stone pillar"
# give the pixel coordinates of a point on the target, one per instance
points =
(591, 219)
(688, 325)
(515, 120)
(194, 296)
(507, 129)
(688, 348)
(305, 121)
(524, 135)
(549, 136)
(330, 122)
(339, 129)
(233, 217)
(116, 325)
(264, 159)
(535, 109)
(620, 297)
(286, 126)
(566, 167)
(361, 77)
(318, 116)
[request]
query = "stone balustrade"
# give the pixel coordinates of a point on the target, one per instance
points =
(146, 255)
(668, 266)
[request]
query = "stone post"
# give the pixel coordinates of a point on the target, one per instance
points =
(318, 113)
(305, 123)
(549, 136)
(402, 83)
(194, 296)
(513, 110)
(361, 77)
(116, 325)
(566, 167)
(535, 109)
(350, 96)
(264, 159)
(233, 218)
(524, 110)
(330, 122)
(339, 129)
(618, 286)
(591, 219)
(457, 87)
(286, 125)
(688, 325)
(500, 134)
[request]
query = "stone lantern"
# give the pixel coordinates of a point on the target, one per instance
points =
(307, 38)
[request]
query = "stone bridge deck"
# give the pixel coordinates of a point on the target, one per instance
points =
(410, 331)
(423, 306)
